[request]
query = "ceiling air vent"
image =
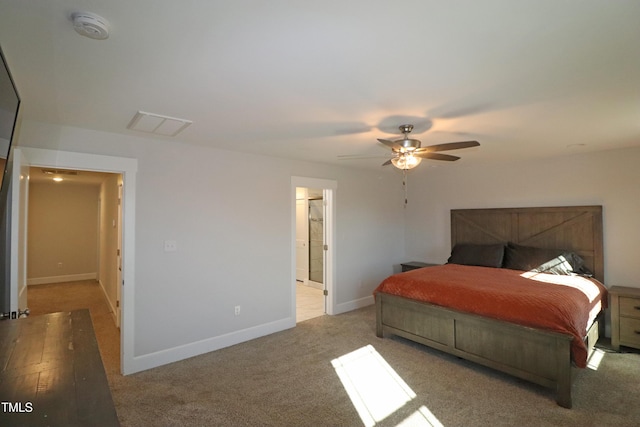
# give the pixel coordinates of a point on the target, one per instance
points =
(157, 124)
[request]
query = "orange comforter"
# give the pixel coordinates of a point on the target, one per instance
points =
(567, 304)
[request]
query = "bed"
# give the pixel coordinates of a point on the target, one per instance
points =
(543, 355)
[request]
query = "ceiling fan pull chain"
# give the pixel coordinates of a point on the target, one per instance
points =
(405, 185)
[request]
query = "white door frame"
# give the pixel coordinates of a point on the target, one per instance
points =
(329, 187)
(119, 257)
(327, 229)
(128, 168)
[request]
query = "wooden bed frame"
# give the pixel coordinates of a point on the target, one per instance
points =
(540, 356)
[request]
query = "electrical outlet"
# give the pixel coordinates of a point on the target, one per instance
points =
(237, 311)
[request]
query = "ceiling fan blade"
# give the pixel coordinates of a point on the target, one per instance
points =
(391, 144)
(436, 156)
(388, 162)
(359, 157)
(448, 146)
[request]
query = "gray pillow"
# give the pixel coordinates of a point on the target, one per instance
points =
(480, 255)
(553, 261)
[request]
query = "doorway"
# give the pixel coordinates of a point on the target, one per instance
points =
(310, 299)
(127, 169)
(313, 254)
(74, 230)
(310, 237)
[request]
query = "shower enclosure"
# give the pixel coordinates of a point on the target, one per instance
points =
(316, 240)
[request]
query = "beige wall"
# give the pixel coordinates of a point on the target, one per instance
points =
(63, 232)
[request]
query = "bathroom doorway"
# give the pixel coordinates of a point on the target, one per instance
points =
(310, 299)
(313, 237)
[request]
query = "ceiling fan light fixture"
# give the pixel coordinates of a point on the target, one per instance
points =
(407, 152)
(409, 144)
(406, 161)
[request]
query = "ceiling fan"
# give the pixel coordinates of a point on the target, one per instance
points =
(407, 153)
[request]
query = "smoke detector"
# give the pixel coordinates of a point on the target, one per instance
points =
(90, 25)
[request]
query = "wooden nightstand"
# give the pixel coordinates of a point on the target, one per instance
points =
(625, 317)
(414, 265)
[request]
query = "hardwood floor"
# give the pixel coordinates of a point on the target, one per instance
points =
(69, 296)
(53, 373)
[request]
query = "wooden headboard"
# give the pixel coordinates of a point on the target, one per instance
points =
(573, 228)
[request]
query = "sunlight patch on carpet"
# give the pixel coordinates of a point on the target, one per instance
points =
(421, 417)
(595, 359)
(376, 390)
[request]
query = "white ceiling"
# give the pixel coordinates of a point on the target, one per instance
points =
(316, 80)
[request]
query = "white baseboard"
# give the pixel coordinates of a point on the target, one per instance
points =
(175, 354)
(316, 285)
(163, 357)
(354, 305)
(109, 303)
(60, 279)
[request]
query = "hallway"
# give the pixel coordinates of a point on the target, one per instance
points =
(69, 296)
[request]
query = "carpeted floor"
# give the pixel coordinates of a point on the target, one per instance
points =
(293, 378)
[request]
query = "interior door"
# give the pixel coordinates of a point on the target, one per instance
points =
(18, 230)
(119, 258)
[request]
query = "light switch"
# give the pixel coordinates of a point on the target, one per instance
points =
(170, 246)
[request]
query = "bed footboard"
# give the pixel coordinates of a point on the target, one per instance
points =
(538, 356)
